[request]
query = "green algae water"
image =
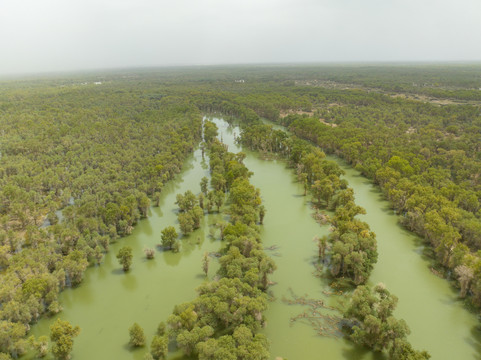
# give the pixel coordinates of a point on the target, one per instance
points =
(109, 301)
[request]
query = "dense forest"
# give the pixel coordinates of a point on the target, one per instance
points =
(77, 172)
(83, 158)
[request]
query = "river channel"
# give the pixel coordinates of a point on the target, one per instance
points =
(109, 301)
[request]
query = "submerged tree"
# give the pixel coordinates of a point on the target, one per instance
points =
(11, 338)
(210, 131)
(186, 222)
(262, 214)
(465, 276)
(137, 336)
(159, 347)
(204, 183)
(372, 323)
(125, 257)
(169, 237)
(62, 334)
(40, 345)
(321, 245)
(149, 253)
(205, 263)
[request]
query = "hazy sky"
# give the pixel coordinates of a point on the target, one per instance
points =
(58, 35)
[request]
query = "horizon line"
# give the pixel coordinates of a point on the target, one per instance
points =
(98, 70)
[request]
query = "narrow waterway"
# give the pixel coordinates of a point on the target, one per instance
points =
(109, 301)
(289, 226)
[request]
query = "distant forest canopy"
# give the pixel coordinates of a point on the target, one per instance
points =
(84, 156)
(394, 77)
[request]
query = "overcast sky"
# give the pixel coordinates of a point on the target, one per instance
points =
(59, 35)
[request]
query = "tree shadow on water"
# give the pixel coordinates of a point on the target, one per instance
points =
(129, 282)
(475, 340)
(134, 349)
(150, 263)
(118, 271)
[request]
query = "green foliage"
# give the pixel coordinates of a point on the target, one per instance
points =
(204, 182)
(137, 337)
(187, 201)
(12, 338)
(62, 334)
(210, 131)
(169, 237)
(354, 250)
(40, 345)
(190, 213)
(262, 214)
(161, 329)
(125, 257)
(186, 222)
(372, 323)
(159, 347)
(242, 344)
(205, 263)
(245, 201)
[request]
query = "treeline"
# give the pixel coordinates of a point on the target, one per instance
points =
(441, 81)
(224, 320)
(79, 167)
(460, 82)
(249, 107)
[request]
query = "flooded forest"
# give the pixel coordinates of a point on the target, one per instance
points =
(242, 212)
